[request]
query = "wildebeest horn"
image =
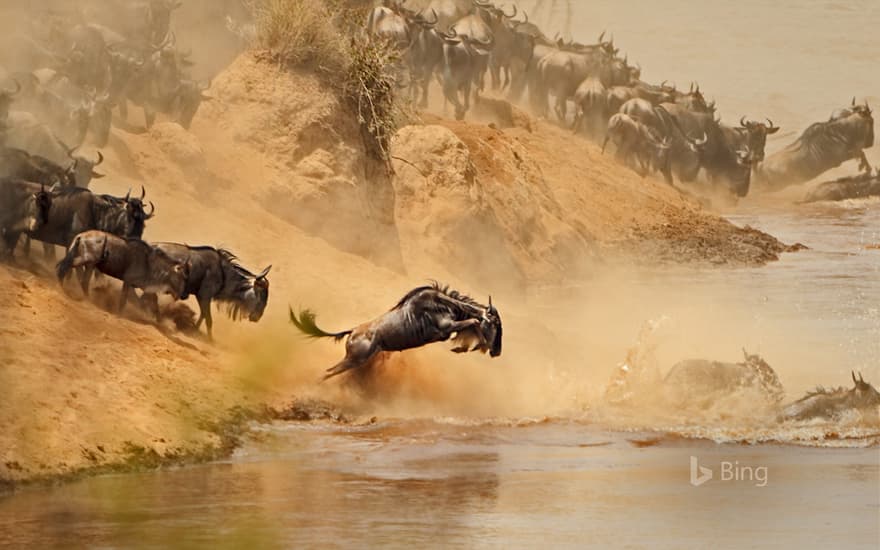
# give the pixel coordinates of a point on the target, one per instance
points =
(692, 88)
(434, 22)
(854, 104)
(143, 192)
(263, 273)
(853, 373)
(100, 159)
(127, 195)
(152, 211)
(742, 122)
(862, 380)
(601, 36)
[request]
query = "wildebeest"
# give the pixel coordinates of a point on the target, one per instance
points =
(591, 107)
(562, 71)
(76, 210)
(828, 404)
(703, 379)
(26, 133)
(385, 23)
(637, 145)
(861, 186)
(728, 156)
(215, 274)
(425, 315)
(134, 262)
(21, 164)
(462, 61)
(822, 146)
(425, 56)
(24, 207)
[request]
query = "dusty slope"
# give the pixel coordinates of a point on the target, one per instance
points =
(272, 170)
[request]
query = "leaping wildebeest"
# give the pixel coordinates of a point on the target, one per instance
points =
(425, 315)
(822, 146)
(215, 274)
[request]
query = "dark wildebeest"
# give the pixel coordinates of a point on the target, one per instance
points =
(686, 153)
(461, 65)
(703, 379)
(637, 145)
(27, 133)
(426, 315)
(16, 163)
(473, 30)
(134, 262)
(24, 207)
(730, 153)
(828, 404)
(75, 210)
(861, 186)
(425, 56)
(505, 37)
(822, 146)
(215, 274)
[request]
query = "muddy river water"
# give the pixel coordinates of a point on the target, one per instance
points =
(577, 478)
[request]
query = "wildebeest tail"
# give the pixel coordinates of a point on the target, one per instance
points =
(306, 324)
(66, 264)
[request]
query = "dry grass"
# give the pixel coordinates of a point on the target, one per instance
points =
(301, 33)
(326, 36)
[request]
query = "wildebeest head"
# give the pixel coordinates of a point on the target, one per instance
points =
(136, 215)
(176, 275)
(258, 296)
(491, 328)
(756, 136)
(863, 395)
(766, 376)
(82, 171)
(37, 208)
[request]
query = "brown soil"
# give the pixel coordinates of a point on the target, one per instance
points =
(274, 170)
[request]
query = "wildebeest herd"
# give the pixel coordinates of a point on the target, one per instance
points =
(655, 128)
(77, 74)
(72, 76)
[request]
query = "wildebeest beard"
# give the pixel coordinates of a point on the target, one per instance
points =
(244, 293)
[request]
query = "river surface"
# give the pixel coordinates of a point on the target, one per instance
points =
(577, 474)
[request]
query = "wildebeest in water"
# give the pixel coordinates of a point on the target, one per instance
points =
(425, 315)
(823, 403)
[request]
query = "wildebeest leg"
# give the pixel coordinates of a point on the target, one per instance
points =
(150, 302)
(123, 299)
(205, 313)
(359, 350)
(49, 252)
(864, 165)
(84, 273)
